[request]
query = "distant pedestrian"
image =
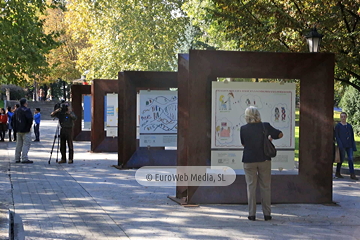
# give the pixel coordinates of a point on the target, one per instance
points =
(3, 124)
(37, 118)
(16, 106)
(48, 95)
(257, 165)
(22, 122)
(345, 140)
(9, 115)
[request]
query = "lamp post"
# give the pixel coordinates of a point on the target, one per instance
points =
(313, 40)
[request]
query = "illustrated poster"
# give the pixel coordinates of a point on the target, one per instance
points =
(158, 118)
(111, 114)
(276, 104)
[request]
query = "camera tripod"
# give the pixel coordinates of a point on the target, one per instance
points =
(56, 136)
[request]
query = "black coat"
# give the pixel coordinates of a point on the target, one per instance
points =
(22, 120)
(252, 137)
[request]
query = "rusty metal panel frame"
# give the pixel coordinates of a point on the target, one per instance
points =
(183, 116)
(129, 83)
(99, 141)
(313, 184)
(77, 92)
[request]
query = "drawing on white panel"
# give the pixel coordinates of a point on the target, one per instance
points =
(159, 117)
(248, 100)
(224, 131)
(225, 101)
(158, 113)
(162, 100)
(276, 106)
(281, 116)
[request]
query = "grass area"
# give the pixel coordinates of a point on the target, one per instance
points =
(1, 103)
(336, 119)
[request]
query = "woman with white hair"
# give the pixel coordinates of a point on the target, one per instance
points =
(257, 165)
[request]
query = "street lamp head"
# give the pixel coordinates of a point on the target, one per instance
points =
(313, 40)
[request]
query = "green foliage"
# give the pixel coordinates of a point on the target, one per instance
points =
(206, 33)
(350, 104)
(280, 26)
(126, 35)
(22, 41)
(62, 60)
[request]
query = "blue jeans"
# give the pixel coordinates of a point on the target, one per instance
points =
(349, 153)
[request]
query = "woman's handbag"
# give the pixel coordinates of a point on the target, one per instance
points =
(269, 148)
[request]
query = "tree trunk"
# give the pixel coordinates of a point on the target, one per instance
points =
(7, 90)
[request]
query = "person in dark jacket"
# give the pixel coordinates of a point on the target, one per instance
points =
(14, 130)
(21, 123)
(257, 166)
(66, 118)
(345, 140)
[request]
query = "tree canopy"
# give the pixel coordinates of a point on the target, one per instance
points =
(23, 44)
(280, 25)
(108, 36)
(62, 60)
(126, 35)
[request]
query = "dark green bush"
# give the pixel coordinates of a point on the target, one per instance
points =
(16, 92)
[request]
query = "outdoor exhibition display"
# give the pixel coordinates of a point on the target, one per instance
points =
(276, 104)
(158, 118)
(111, 114)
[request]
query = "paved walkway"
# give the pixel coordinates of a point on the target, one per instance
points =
(92, 200)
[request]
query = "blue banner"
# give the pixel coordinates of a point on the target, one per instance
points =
(87, 108)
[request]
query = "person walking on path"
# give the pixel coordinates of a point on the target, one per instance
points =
(344, 134)
(14, 130)
(9, 115)
(3, 124)
(66, 118)
(257, 165)
(21, 123)
(37, 118)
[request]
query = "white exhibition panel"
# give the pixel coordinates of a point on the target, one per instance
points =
(112, 114)
(276, 103)
(158, 118)
(232, 158)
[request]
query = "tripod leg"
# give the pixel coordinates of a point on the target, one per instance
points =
(52, 148)
(57, 152)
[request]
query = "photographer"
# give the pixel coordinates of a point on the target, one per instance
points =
(66, 118)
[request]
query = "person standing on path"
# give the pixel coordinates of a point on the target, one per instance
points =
(14, 130)
(37, 118)
(66, 118)
(9, 114)
(21, 123)
(345, 140)
(257, 165)
(3, 124)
